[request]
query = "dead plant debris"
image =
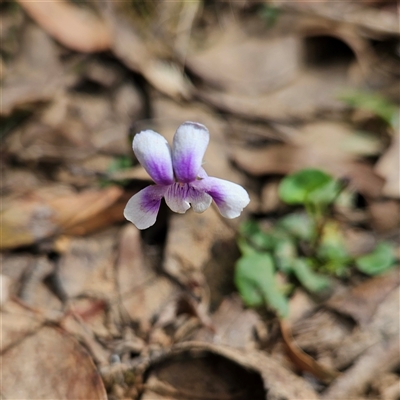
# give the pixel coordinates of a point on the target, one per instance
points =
(90, 307)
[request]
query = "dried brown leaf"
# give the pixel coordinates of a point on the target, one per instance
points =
(141, 292)
(388, 167)
(61, 369)
(35, 75)
(322, 145)
(136, 54)
(362, 301)
(190, 241)
(233, 325)
(203, 370)
(74, 324)
(379, 354)
(32, 289)
(39, 215)
(246, 64)
(311, 94)
(75, 210)
(300, 305)
(385, 215)
(302, 360)
(16, 181)
(5, 285)
(75, 27)
(86, 265)
(321, 333)
(17, 322)
(374, 22)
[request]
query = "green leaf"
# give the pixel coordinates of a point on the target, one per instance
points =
(255, 237)
(285, 253)
(325, 194)
(255, 279)
(245, 247)
(308, 186)
(336, 267)
(311, 280)
(378, 261)
(270, 14)
(298, 225)
(263, 241)
(248, 228)
(119, 163)
(332, 247)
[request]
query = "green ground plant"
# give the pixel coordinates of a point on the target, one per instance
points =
(307, 245)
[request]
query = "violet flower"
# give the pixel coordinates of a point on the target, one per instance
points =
(179, 177)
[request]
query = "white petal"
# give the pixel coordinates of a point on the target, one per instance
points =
(142, 208)
(190, 143)
(229, 197)
(177, 198)
(202, 173)
(154, 153)
(199, 200)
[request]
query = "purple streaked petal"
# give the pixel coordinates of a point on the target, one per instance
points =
(190, 143)
(154, 153)
(142, 208)
(176, 197)
(199, 200)
(229, 197)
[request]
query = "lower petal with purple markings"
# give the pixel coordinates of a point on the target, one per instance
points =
(199, 200)
(142, 208)
(229, 197)
(176, 197)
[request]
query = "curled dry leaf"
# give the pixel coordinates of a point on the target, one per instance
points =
(302, 360)
(38, 215)
(75, 27)
(203, 370)
(104, 218)
(321, 333)
(61, 369)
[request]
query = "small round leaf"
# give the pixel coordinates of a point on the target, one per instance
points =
(308, 185)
